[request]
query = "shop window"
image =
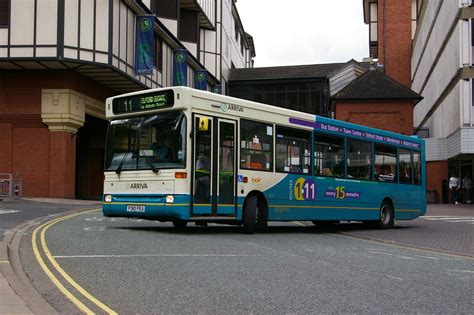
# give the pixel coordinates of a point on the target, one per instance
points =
(417, 168)
(406, 166)
(328, 156)
(385, 164)
(256, 145)
(359, 159)
(293, 151)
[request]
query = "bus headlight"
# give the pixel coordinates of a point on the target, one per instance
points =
(108, 198)
(169, 199)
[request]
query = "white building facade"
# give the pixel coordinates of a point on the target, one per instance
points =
(441, 71)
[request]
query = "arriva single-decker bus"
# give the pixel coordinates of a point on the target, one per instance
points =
(184, 155)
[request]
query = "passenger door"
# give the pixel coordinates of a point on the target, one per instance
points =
(214, 167)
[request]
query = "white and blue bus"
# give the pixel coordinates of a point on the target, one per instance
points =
(183, 155)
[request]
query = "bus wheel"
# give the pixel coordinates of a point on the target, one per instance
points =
(180, 224)
(387, 217)
(250, 215)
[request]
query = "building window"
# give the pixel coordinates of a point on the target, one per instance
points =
(373, 30)
(188, 26)
(166, 8)
(292, 151)
(236, 32)
(385, 164)
(472, 41)
(256, 145)
(328, 156)
(4, 13)
(359, 159)
(158, 57)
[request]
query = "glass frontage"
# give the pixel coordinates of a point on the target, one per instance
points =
(151, 142)
(309, 97)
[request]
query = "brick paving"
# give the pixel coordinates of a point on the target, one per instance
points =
(446, 228)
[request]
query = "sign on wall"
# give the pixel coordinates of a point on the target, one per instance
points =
(144, 44)
(180, 67)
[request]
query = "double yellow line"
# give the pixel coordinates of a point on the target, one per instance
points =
(45, 251)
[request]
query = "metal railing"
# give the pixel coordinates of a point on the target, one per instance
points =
(11, 185)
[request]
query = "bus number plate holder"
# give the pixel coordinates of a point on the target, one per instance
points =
(135, 208)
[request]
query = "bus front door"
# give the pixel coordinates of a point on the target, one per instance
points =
(214, 161)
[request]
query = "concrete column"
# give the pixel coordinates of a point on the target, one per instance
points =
(64, 112)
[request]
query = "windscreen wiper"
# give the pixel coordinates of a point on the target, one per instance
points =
(139, 149)
(119, 167)
(150, 164)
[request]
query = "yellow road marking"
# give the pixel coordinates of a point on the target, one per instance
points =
(4, 262)
(55, 280)
(58, 268)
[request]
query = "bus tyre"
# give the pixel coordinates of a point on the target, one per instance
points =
(180, 224)
(387, 216)
(250, 215)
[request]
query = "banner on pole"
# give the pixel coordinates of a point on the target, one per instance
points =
(144, 44)
(200, 79)
(180, 67)
(216, 89)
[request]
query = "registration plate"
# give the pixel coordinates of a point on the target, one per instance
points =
(135, 208)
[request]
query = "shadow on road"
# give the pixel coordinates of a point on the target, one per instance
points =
(307, 228)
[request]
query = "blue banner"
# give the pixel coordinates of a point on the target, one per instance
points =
(200, 79)
(144, 44)
(216, 89)
(180, 67)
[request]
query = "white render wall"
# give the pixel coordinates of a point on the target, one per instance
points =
(34, 34)
(437, 59)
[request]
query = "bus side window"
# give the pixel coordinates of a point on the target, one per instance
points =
(385, 164)
(405, 166)
(359, 159)
(328, 156)
(256, 145)
(292, 151)
(417, 168)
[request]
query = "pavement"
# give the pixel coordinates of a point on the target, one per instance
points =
(17, 295)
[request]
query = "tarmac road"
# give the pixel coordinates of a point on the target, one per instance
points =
(134, 266)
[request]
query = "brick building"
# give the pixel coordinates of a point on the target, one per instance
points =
(60, 59)
(376, 100)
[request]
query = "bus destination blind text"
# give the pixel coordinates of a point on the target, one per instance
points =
(138, 103)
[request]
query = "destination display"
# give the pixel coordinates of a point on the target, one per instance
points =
(143, 102)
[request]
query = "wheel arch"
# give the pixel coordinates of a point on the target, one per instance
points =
(262, 202)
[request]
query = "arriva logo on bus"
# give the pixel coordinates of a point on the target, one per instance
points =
(137, 186)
